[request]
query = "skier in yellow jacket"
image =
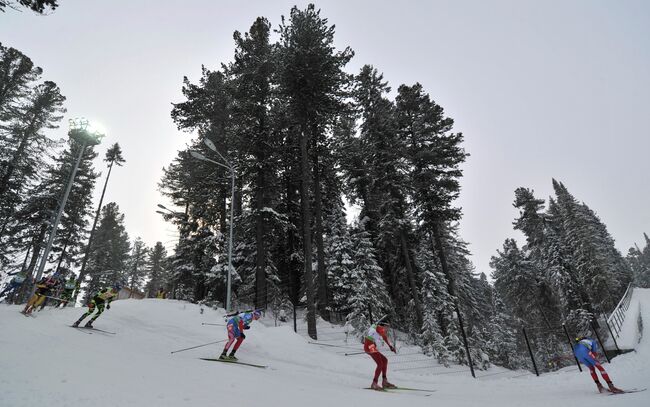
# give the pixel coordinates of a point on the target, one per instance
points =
(43, 289)
(103, 297)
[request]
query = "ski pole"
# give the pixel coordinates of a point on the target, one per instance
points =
(198, 346)
(333, 346)
(205, 323)
(354, 353)
(55, 298)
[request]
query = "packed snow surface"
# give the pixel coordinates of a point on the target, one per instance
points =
(630, 334)
(44, 362)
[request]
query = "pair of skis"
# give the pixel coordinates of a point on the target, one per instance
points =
(398, 388)
(84, 329)
(236, 362)
(612, 393)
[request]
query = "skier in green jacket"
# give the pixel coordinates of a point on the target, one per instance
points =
(103, 298)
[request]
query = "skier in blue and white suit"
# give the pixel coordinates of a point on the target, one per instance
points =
(586, 350)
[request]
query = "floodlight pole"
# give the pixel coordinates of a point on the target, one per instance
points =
(77, 132)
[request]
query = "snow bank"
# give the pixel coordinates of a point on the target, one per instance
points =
(629, 336)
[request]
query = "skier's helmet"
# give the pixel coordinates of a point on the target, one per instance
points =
(117, 286)
(257, 314)
(381, 328)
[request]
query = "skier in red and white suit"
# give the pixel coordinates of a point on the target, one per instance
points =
(377, 334)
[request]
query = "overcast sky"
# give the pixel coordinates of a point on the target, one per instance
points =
(541, 90)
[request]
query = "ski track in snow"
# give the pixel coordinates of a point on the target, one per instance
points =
(44, 362)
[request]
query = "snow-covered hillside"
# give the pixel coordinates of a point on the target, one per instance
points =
(45, 362)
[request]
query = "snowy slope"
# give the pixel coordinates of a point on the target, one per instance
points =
(45, 362)
(630, 335)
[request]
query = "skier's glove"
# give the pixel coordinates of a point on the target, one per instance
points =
(108, 306)
(242, 336)
(392, 348)
(247, 327)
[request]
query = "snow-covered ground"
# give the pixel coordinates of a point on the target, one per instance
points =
(629, 333)
(43, 362)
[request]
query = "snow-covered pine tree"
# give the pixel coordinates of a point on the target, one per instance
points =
(253, 97)
(467, 295)
(437, 305)
(246, 263)
(158, 270)
(312, 82)
(369, 299)
(27, 109)
(29, 229)
(639, 260)
(516, 284)
(540, 277)
(583, 267)
(434, 155)
(113, 157)
(339, 254)
(502, 345)
(108, 259)
(136, 269)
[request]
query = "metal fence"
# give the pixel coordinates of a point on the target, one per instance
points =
(617, 317)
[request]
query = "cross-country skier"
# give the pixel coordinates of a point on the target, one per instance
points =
(236, 326)
(586, 350)
(103, 297)
(68, 289)
(377, 334)
(16, 282)
(43, 289)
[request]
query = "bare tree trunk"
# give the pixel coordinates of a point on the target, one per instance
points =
(260, 261)
(292, 238)
(306, 233)
(411, 278)
(320, 246)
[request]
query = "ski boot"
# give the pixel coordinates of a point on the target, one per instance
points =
(387, 385)
(613, 388)
(232, 357)
(89, 324)
(223, 356)
(600, 387)
(375, 386)
(76, 324)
